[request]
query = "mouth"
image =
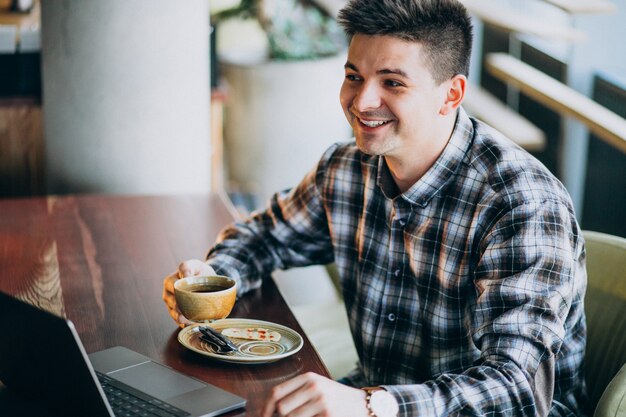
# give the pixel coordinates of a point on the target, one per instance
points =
(372, 124)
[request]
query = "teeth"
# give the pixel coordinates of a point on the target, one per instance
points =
(374, 123)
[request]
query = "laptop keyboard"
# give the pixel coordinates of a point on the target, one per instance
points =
(129, 402)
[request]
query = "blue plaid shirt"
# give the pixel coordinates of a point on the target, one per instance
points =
(464, 293)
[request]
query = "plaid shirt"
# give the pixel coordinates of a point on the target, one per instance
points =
(464, 293)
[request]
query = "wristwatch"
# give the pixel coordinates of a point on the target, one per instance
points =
(381, 403)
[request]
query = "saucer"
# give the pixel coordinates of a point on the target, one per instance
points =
(248, 351)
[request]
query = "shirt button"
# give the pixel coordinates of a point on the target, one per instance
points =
(396, 272)
(391, 317)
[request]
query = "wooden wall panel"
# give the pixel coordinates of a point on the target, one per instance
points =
(21, 148)
(605, 199)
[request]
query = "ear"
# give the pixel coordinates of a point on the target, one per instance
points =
(455, 92)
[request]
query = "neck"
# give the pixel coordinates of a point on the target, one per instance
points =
(408, 168)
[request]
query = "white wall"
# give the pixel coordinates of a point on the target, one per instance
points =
(280, 118)
(126, 96)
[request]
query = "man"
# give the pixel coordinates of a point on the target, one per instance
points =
(461, 261)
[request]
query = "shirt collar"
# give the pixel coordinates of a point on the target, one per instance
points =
(444, 168)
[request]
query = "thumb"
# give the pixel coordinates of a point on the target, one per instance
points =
(187, 269)
(194, 267)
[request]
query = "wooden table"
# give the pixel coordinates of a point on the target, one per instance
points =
(101, 260)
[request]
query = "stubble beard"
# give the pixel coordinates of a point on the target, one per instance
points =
(375, 144)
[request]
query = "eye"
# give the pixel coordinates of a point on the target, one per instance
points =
(353, 77)
(393, 83)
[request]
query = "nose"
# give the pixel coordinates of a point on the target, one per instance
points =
(367, 98)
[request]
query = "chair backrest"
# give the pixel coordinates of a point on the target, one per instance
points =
(605, 307)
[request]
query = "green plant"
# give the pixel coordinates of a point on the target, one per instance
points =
(296, 29)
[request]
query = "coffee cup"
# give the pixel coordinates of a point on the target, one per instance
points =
(205, 298)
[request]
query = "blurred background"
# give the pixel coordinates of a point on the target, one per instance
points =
(241, 96)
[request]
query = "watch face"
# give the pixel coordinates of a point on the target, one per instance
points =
(383, 404)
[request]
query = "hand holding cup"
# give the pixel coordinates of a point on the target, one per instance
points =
(192, 267)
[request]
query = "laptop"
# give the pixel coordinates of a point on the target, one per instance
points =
(43, 360)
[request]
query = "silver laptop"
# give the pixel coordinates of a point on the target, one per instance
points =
(43, 360)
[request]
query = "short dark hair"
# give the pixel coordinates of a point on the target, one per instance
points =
(442, 27)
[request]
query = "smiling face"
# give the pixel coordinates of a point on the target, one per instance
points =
(391, 100)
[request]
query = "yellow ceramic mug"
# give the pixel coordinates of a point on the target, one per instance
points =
(204, 298)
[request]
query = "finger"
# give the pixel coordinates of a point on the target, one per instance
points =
(169, 299)
(179, 317)
(168, 291)
(269, 408)
(189, 268)
(309, 409)
(182, 320)
(303, 402)
(168, 283)
(194, 267)
(281, 391)
(174, 314)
